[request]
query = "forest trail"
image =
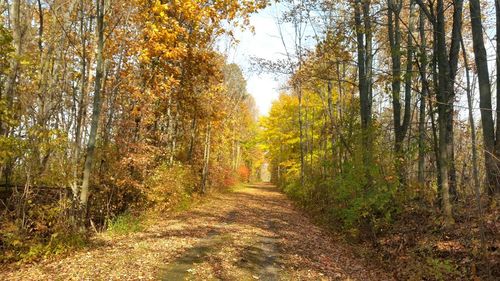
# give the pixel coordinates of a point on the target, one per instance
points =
(253, 233)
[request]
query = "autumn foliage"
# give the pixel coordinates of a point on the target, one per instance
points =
(173, 117)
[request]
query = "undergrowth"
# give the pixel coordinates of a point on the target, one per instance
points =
(125, 223)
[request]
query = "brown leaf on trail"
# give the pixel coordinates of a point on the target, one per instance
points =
(251, 234)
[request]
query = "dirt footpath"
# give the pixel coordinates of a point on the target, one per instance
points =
(250, 234)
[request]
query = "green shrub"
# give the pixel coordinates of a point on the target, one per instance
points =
(350, 198)
(359, 200)
(124, 224)
(59, 243)
(440, 269)
(184, 202)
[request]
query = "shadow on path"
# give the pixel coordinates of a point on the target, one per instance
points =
(253, 233)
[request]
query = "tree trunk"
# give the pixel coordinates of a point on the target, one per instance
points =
(301, 136)
(369, 49)
(393, 11)
(96, 110)
(480, 56)
(364, 92)
(423, 96)
(11, 80)
(497, 137)
(17, 38)
(192, 140)
(206, 160)
(444, 111)
(453, 62)
(475, 172)
(81, 99)
(400, 126)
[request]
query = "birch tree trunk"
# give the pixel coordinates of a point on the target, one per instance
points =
(81, 99)
(206, 159)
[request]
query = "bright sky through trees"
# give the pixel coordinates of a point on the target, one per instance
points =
(177, 127)
(263, 43)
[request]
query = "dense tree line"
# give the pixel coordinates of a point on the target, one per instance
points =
(107, 106)
(376, 117)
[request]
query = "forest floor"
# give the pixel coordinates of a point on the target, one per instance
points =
(252, 233)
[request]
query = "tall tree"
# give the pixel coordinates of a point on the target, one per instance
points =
(444, 109)
(423, 98)
(96, 107)
(489, 139)
(362, 37)
(400, 126)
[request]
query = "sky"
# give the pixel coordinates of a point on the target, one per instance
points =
(264, 43)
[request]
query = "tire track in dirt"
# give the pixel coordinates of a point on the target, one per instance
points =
(253, 233)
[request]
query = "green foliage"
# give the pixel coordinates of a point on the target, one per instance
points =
(184, 203)
(6, 48)
(356, 192)
(16, 246)
(349, 198)
(59, 243)
(357, 200)
(9, 147)
(124, 224)
(440, 269)
(295, 191)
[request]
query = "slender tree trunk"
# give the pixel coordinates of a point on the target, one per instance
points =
(364, 92)
(96, 110)
(340, 114)
(40, 29)
(17, 38)
(409, 73)
(113, 97)
(192, 140)
(423, 96)
(173, 143)
(10, 85)
(81, 106)
(497, 136)
(301, 136)
(481, 60)
(400, 126)
(435, 144)
(433, 111)
(332, 130)
(311, 148)
(369, 49)
(393, 11)
(206, 160)
(475, 172)
(238, 154)
(405, 126)
(453, 62)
